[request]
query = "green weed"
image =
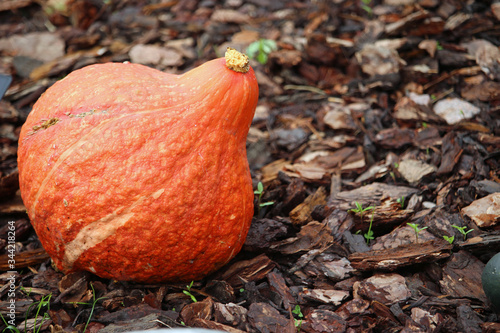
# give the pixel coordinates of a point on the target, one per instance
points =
(298, 313)
(416, 229)
(260, 192)
(188, 292)
(462, 231)
(449, 239)
(261, 49)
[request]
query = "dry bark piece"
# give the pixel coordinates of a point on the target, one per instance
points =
(491, 327)
(395, 138)
(462, 276)
(313, 235)
(212, 325)
(220, 290)
(338, 117)
(401, 24)
(278, 285)
(202, 310)
(414, 170)
(355, 243)
(468, 319)
(148, 322)
(325, 296)
(333, 268)
(384, 288)
(264, 317)
(73, 288)
(290, 139)
(24, 259)
(485, 212)
(229, 16)
(379, 60)
(401, 236)
(231, 314)
(319, 321)
(301, 214)
(155, 55)
(391, 259)
(296, 192)
(450, 152)
(370, 195)
(485, 91)
(245, 271)
(385, 215)
(263, 233)
(44, 46)
(426, 319)
(407, 109)
(134, 312)
(354, 307)
(455, 110)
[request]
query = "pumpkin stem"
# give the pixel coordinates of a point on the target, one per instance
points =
(236, 61)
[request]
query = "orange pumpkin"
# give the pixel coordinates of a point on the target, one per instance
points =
(134, 174)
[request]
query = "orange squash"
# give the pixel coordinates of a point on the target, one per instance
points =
(134, 174)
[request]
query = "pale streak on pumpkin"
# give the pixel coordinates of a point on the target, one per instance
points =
(98, 231)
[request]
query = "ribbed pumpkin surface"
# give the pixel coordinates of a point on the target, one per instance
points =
(134, 174)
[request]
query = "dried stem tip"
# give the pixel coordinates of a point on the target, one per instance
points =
(236, 61)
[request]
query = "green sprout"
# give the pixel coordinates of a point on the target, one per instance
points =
(462, 230)
(366, 6)
(298, 312)
(44, 302)
(94, 302)
(416, 229)
(369, 234)
(360, 210)
(401, 201)
(188, 292)
(261, 49)
(260, 192)
(449, 239)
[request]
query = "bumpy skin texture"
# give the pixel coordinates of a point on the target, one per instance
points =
(134, 174)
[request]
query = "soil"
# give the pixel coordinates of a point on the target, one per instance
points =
(376, 141)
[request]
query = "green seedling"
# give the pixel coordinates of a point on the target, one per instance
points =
(260, 192)
(462, 230)
(416, 229)
(44, 302)
(261, 49)
(360, 210)
(24, 290)
(365, 4)
(188, 292)
(449, 239)
(298, 322)
(401, 201)
(369, 234)
(94, 302)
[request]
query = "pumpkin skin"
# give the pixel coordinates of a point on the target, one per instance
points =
(134, 174)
